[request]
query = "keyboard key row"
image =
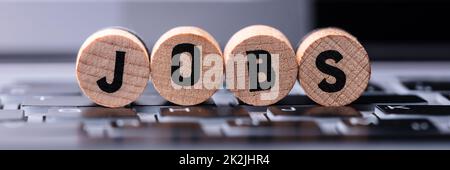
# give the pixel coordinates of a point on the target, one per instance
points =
(33, 88)
(236, 128)
(197, 113)
(41, 88)
(365, 102)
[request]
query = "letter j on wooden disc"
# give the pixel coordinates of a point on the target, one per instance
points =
(334, 68)
(113, 67)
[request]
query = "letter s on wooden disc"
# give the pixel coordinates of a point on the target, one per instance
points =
(334, 68)
(113, 67)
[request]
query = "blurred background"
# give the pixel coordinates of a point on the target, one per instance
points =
(53, 30)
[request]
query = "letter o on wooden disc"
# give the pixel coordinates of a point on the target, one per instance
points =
(113, 67)
(187, 65)
(269, 71)
(334, 68)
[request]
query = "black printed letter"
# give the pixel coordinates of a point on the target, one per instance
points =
(255, 67)
(194, 51)
(338, 74)
(118, 75)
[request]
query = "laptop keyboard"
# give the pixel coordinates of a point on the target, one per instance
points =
(49, 111)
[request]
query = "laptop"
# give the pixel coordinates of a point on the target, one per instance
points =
(405, 106)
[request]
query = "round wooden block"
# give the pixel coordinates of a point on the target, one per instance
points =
(272, 48)
(113, 67)
(184, 81)
(334, 68)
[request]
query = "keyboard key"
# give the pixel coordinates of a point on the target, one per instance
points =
(89, 113)
(36, 114)
(38, 110)
(41, 135)
(173, 131)
(242, 128)
(149, 118)
(8, 115)
(55, 113)
(57, 101)
(389, 98)
(393, 127)
(203, 111)
(368, 102)
(311, 111)
(34, 130)
(196, 113)
(10, 106)
(384, 111)
(427, 85)
(325, 117)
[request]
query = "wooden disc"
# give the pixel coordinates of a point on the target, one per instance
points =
(260, 39)
(113, 67)
(179, 41)
(334, 68)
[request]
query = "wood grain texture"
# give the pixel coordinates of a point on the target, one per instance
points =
(355, 64)
(161, 62)
(96, 59)
(261, 37)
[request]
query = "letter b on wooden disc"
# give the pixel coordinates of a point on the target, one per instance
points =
(260, 65)
(113, 67)
(334, 68)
